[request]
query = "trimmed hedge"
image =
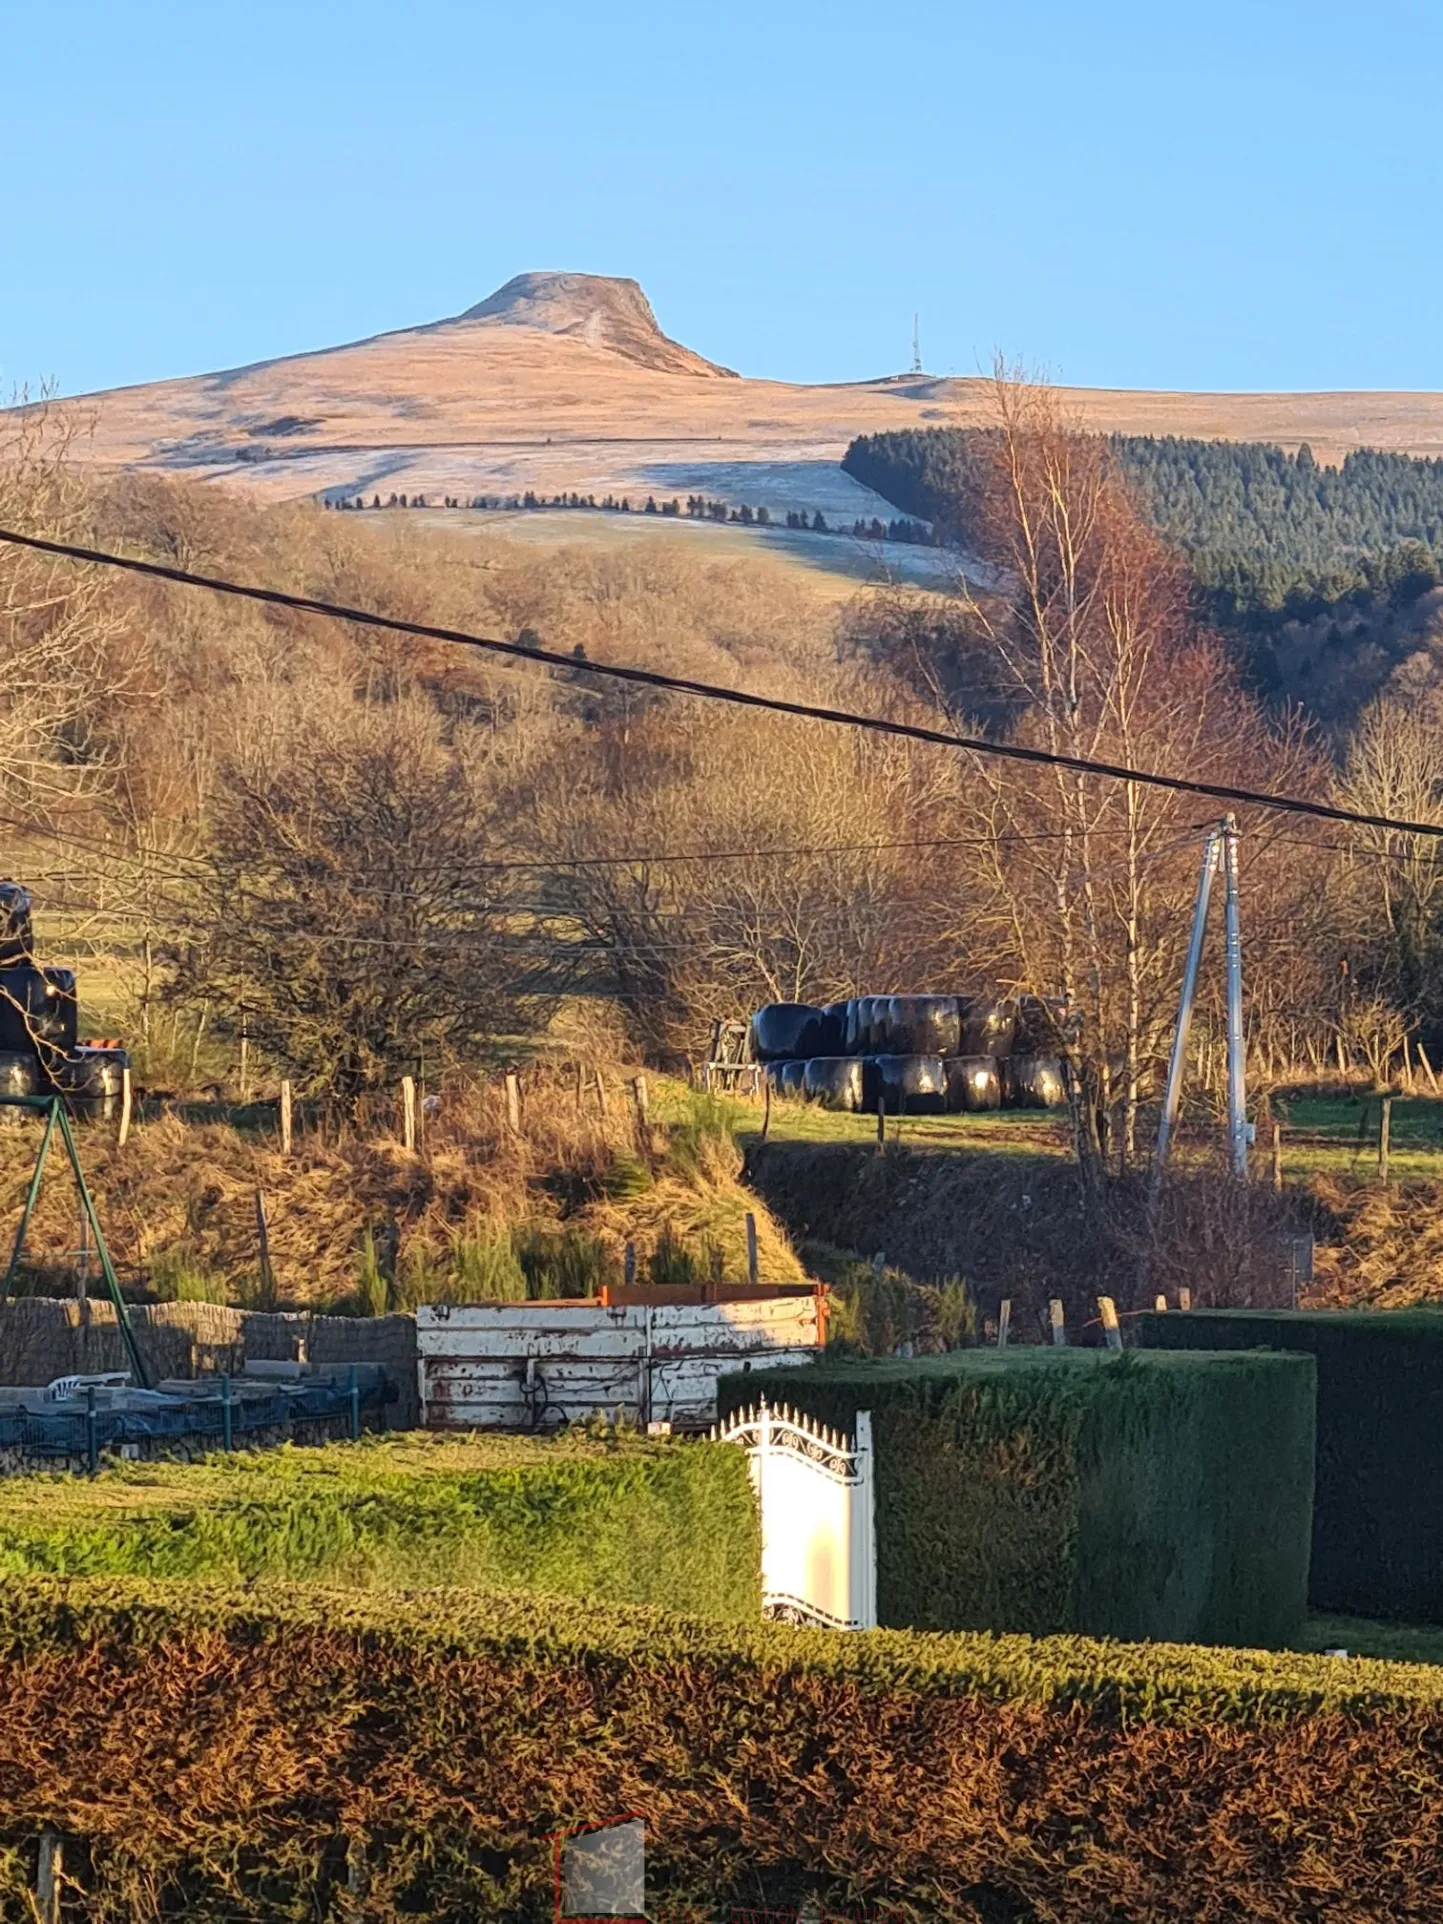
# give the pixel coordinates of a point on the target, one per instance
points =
(232, 1757)
(626, 1519)
(1164, 1496)
(1377, 1517)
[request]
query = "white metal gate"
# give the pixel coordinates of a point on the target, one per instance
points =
(816, 1493)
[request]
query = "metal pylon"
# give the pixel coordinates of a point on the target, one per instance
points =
(55, 1117)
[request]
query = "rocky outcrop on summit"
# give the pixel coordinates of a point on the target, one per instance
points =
(603, 311)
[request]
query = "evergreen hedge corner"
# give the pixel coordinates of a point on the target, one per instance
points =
(1377, 1516)
(1148, 1495)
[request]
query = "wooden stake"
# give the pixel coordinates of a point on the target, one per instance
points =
(753, 1268)
(263, 1241)
(1004, 1321)
(1059, 1323)
(766, 1106)
(48, 1864)
(513, 1102)
(881, 1122)
(1184, 1299)
(1159, 1302)
(1277, 1156)
(1385, 1131)
(123, 1132)
(1428, 1067)
(638, 1097)
(1111, 1328)
(285, 1118)
(629, 1265)
(408, 1112)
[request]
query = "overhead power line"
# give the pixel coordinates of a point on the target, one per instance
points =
(737, 697)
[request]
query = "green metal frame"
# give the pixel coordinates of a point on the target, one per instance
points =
(53, 1108)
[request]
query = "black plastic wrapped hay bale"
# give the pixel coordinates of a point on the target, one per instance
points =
(909, 1085)
(1033, 1082)
(790, 1077)
(918, 1025)
(973, 1083)
(788, 1032)
(19, 1073)
(857, 1037)
(17, 938)
(988, 1028)
(834, 1029)
(91, 1081)
(38, 1011)
(834, 1081)
(1043, 1021)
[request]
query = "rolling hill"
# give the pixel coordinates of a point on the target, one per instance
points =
(561, 382)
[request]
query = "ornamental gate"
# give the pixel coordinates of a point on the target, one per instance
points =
(816, 1493)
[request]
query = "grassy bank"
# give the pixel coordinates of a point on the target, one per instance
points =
(614, 1517)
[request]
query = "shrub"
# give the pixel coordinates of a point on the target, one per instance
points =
(244, 1756)
(1377, 1524)
(1044, 1490)
(642, 1522)
(177, 1277)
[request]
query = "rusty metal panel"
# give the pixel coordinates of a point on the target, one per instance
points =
(535, 1365)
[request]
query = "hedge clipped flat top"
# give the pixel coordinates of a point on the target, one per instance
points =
(1151, 1494)
(1172, 1684)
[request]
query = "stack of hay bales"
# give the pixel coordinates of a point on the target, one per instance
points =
(914, 1054)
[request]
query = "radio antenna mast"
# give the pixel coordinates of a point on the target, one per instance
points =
(916, 344)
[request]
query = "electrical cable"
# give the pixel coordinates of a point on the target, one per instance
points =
(737, 697)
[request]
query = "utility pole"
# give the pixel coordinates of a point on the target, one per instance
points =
(1220, 849)
(1240, 1130)
(1172, 1099)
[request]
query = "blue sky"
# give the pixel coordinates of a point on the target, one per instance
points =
(1138, 195)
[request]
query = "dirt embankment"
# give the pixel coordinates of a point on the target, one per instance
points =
(1020, 1226)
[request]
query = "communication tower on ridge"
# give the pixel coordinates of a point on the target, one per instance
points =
(916, 344)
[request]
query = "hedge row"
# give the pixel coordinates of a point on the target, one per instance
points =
(625, 1519)
(249, 1756)
(1378, 1520)
(1042, 1490)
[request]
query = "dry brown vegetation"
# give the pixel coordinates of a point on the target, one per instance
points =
(365, 855)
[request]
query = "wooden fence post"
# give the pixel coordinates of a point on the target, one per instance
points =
(1004, 1322)
(766, 1106)
(263, 1242)
(1184, 1299)
(1111, 1322)
(1277, 1156)
(1159, 1302)
(753, 1270)
(513, 1102)
(638, 1097)
(285, 1118)
(1385, 1131)
(408, 1112)
(628, 1268)
(48, 1865)
(123, 1132)
(1059, 1322)
(881, 1122)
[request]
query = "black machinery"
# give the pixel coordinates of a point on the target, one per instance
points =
(40, 1050)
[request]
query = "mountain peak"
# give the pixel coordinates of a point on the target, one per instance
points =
(604, 310)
